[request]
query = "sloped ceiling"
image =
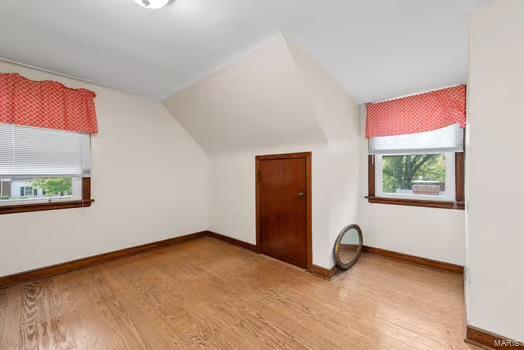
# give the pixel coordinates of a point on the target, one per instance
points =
(376, 48)
(335, 110)
(258, 102)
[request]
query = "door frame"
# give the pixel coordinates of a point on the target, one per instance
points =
(309, 241)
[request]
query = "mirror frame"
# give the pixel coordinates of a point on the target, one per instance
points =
(340, 264)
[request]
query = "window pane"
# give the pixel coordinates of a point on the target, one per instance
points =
(22, 190)
(418, 174)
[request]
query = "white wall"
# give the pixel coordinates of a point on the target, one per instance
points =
(431, 233)
(196, 192)
(257, 102)
(334, 188)
(334, 161)
(496, 117)
(339, 164)
(339, 184)
(138, 141)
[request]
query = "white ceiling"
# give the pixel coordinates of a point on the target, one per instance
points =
(376, 48)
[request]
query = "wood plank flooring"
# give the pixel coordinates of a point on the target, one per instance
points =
(208, 294)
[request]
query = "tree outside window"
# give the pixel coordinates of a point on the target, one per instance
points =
(58, 186)
(400, 172)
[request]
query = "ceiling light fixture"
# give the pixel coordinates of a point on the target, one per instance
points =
(152, 4)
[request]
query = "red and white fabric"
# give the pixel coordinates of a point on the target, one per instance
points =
(425, 112)
(46, 104)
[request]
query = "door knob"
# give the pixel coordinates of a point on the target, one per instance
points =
(300, 194)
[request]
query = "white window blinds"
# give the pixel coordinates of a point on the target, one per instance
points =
(448, 139)
(27, 151)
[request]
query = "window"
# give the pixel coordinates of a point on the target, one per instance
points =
(423, 169)
(26, 191)
(416, 176)
(42, 169)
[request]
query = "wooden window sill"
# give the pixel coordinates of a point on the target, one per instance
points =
(25, 208)
(417, 203)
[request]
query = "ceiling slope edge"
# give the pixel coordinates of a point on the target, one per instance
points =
(258, 102)
(335, 109)
(233, 59)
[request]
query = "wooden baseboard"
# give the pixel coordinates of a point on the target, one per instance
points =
(321, 272)
(324, 273)
(233, 241)
(433, 264)
(488, 340)
(49, 271)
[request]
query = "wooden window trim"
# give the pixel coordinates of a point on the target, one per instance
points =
(85, 202)
(458, 204)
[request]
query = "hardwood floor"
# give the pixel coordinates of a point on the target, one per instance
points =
(209, 294)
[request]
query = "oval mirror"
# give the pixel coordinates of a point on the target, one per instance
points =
(348, 246)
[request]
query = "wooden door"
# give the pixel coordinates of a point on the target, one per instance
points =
(283, 207)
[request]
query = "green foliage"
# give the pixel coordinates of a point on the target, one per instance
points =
(54, 186)
(400, 171)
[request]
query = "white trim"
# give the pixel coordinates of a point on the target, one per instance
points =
(49, 71)
(27, 201)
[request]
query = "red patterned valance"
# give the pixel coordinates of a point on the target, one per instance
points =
(419, 113)
(46, 104)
